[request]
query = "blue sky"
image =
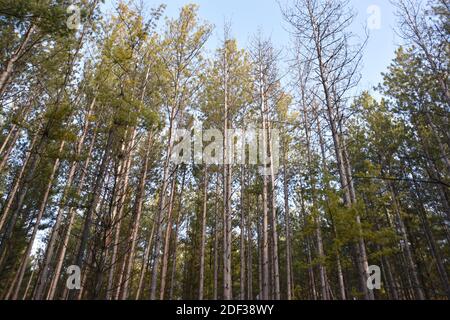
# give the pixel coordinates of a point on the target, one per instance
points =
(247, 16)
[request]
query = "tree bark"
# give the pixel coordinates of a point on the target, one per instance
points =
(227, 232)
(162, 207)
(22, 268)
(92, 206)
(5, 75)
(165, 257)
(242, 237)
(42, 279)
(137, 217)
(203, 233)
(287, 222)
(216, 242)
(431, 240)
(175, 246)
(145, 262)
(409, 256)
(274, 222)
(71, 217)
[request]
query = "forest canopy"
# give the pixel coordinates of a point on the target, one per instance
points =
(92, 205)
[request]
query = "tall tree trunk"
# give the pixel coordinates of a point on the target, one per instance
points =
(328, 187)
(160, 213)
(287, 222)
(409, 256)
(137, 217)
(116, 214)
(24, 263)
(340, 159)
(316, 212)
(216, 241)
(249, 256)
(389, 277)
(242, 237)
(20, 190)
(42, 279)
(260, 249)
(311, 276)
(175, 246)
(145, 262)
(203, 233)
(265, 219)
(17, 183)
(274, 222)
(92, 206)
(361, 253)
(27, 288)
(227, 232)
(265, 241)
(431, 241)
(13, 135)
(71, 218)
(13, 132)
(5, 75)
(165, 257)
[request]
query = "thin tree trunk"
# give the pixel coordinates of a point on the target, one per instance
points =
(216, 241)
(227, 174)
(42, 279)
(22, 268)
(361, 248)
(242, 238)
(71, 217)
(174, 259)
(145, 262)
(5, 75)
(311, 276)
(10, 136)
(287, 222)
(409, 256)
(391, 282)
(20, 190)
(165, 257)
(203, 234)
(11, 196)
(260, 251)
(316, 212)
(159, 216)
(265, 222)
(137, 218)
(116, 214)
(432, 242)
(95, 197)
(327, 186)
(27, 288)
(276, 272)
(265, 243)
(133, 134)
(340, 159)
(13, 136)
(249, 257)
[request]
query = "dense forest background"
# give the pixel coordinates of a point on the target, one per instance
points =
(88, 117)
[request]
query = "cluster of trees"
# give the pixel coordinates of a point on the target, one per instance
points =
(88, 120)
